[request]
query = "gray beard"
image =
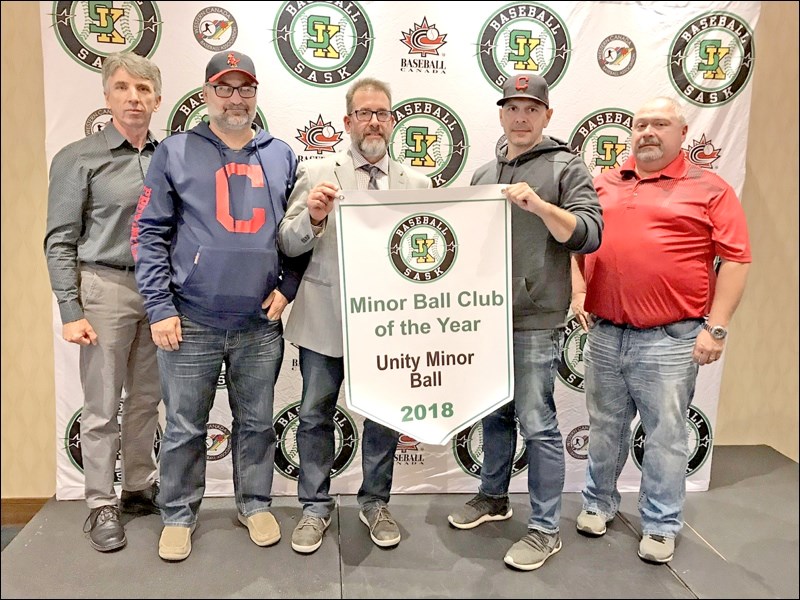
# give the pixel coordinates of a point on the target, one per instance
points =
(372, 149)
(649, 154)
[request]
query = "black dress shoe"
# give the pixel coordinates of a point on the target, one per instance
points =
(105, 530)
(143, 502)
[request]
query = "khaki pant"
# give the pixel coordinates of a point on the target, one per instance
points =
(124, 357)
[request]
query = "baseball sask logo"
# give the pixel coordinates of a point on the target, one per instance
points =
(522, 38)
(431, 137)
(96, 121)
(702, 152)
(323, 43)
(218, 441)
(602, 139)
(318, 137)
(72, 444)
(409, 452)
(468, 451)
(616, 55)
(698, 433)
(423, 40)
(215, 29)
(287, 460)
(577, 442)
(90, 31)
(191, 110)
(423, 247)
(711, 58)
(570, 368)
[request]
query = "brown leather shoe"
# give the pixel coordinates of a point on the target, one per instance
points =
(106, 533)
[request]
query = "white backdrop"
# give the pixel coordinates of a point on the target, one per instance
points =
(602, 61)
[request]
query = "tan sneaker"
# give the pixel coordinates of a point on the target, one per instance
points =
(591, 523)
(264, 529)
(656, 548)
(175, 542)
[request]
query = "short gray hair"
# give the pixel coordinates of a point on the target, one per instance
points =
(677, 107)
(136, 65)
(367, 82)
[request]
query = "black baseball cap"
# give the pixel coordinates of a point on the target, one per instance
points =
(230, 62)
(533, 87)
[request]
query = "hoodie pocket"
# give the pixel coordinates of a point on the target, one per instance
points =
(231, 280)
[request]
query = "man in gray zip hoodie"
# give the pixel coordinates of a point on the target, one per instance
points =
(555, 213)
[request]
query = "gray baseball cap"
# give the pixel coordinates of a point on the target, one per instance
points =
(533, 87)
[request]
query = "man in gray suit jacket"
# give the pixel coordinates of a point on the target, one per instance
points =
(315, 323)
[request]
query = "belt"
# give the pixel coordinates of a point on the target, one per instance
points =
(115, 267)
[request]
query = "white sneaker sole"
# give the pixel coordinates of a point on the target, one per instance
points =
(483, 519)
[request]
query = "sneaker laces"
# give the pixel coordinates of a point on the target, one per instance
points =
(485, 504)
(661, 539)
(316, 523)
(102, 514)
(382, 514)
(538, 540)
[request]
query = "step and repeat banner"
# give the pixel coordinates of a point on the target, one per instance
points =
(446, 67)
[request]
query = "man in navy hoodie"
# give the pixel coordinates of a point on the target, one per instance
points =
(214, 285)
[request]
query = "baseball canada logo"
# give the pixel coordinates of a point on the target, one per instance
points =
(191, 110)
(577, 442)
(90, 31)
(570, 367)
(698, 433)
(320, 136)
(602, 139)
(287, 460)
(409, 452)
(96, 121)
(522, 38)
(711, 58)
(423, 248)
(429, 136)
(218, 441)
(703, 153)
(215, 29)
(616, 55)
(468, 451)
(423, 40)
(72, 444)
(323, 43)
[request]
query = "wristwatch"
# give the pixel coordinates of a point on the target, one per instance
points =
(718, 332)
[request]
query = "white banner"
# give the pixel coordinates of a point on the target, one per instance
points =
(426, 307)
(445, 65)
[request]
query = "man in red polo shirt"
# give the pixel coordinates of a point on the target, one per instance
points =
(655, 311)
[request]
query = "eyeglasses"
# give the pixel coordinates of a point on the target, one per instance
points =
(226, 91)
(365, 115)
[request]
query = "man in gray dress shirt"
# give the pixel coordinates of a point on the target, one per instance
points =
(94, 187)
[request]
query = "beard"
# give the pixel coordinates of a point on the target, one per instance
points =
(232, 122)
(649, 153)
(372, 148)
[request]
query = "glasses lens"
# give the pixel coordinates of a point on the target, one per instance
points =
(383, 115)
(223, 91)
(247, 91)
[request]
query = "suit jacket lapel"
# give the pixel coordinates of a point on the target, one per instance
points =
(345, 173)
(397, 176)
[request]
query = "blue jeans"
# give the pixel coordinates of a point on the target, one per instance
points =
(650, 371)
(189, 376)
(536, 358)
(322, 379)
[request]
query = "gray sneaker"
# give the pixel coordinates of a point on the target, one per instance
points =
(307, 536)
(532, 550)
(656, 548)
(591, 523)
(480, 510)
(383, 528)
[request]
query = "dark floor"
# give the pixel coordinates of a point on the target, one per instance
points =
(740, 541)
